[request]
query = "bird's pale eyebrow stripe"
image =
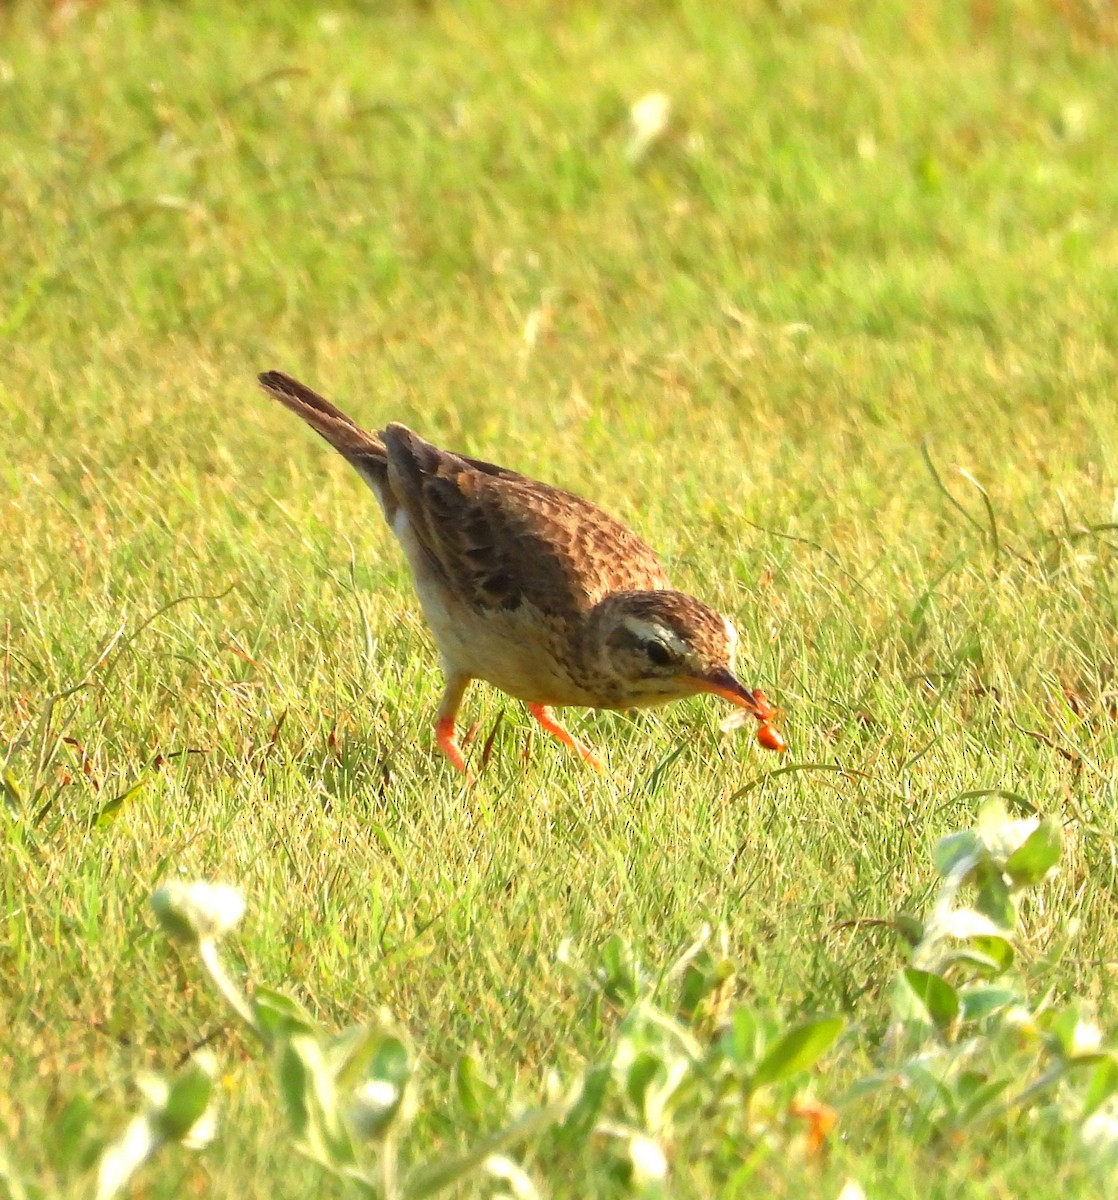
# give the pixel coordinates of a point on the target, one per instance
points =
(651, 631)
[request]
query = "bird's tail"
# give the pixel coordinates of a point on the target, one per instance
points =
(346, 436)
(363, 450)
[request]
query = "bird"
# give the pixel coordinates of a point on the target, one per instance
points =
(528, 587)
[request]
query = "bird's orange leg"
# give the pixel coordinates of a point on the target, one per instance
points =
(545, 715)
(445, 733)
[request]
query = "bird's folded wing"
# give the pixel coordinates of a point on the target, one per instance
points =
(502, 540)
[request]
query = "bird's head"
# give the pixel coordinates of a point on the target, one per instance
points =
(659, 646)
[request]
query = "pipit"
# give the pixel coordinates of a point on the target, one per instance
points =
(529, 587)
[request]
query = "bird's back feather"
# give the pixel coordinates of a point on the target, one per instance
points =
(497, 539)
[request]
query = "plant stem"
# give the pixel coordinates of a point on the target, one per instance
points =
(230, 993)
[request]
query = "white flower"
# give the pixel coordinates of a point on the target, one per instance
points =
(1018, 1018)
(649, 1163)
(372, 1107)
(1001, 834)
(517, 1183)
(1086, 1039)
(648, 119)
(1100, 1132)
(198, 911)
(963, 923)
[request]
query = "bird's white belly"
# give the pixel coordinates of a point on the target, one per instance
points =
(507, 649)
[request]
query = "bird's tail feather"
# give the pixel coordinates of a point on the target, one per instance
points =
(345, 435)
(363, 450)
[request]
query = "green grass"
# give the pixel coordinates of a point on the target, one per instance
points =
(874, 246)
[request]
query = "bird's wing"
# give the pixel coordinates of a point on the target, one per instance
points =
(502, 540)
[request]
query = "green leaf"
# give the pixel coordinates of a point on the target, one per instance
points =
(994, 898)
(978, 1003)
(989, 954)
(370, 1052)
(936, 997)
(373, 1068)
(998, 950)
(476, 1092)
(642, 1072)
(619, 972)
(294, 1082)
(975, 1093)
(909, 927)
(742, 1041)
(797, 1050)
(1061, 1025)
(109, 812)
(953, 851)
(72, 1142)
(426, 1180)
(350, 1054)
(700, 979)
(278, 1016)
(392, 1061)
(1039, 853)
(982, 964)
(13, 793)
(583, 1115)
(926, 1078)
(187, 1100)
(307, 1085)
(1103, 1085)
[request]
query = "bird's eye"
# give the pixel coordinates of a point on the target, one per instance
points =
(658, 654)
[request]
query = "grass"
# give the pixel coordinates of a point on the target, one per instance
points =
(875, 245)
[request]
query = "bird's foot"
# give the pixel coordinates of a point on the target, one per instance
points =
(545, 715)
(447, 738)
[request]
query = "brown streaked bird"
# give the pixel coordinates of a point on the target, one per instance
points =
(529, 587)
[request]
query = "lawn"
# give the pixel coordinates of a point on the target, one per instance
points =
(840, 342)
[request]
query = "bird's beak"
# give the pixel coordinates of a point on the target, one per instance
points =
(723, 683)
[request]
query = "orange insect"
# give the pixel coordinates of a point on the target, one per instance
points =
(767, 735)
(771, 738)
(821, 1120)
